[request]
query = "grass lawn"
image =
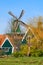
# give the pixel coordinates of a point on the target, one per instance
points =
(21, 61)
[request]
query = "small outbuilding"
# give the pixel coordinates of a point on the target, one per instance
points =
(6, 44)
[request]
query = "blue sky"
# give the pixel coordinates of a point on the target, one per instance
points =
(31, 7)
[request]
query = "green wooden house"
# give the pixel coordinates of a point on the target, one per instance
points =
(6, 45)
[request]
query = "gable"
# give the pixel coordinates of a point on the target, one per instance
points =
(7, 44)
(29, 33)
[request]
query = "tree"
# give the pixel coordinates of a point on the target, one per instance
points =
(40, 19)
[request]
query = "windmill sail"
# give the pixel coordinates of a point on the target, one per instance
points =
(12, 14)
(22, 12)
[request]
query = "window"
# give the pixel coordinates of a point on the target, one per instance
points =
(6, 49)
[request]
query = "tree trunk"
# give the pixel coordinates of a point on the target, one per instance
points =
(28, 51)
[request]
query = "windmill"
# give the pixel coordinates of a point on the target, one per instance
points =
(17, 20)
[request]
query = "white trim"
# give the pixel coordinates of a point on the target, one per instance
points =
(33, 33)
(9, 41)
(12, 49)
(24, 35)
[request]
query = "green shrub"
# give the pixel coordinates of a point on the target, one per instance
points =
(41, 53)
(36, 52)
(24, 49)
(22, 52)
(16, 54)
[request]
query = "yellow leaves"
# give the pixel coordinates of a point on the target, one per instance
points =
(24, 49)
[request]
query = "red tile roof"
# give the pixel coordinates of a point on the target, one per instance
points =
(2, 38)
